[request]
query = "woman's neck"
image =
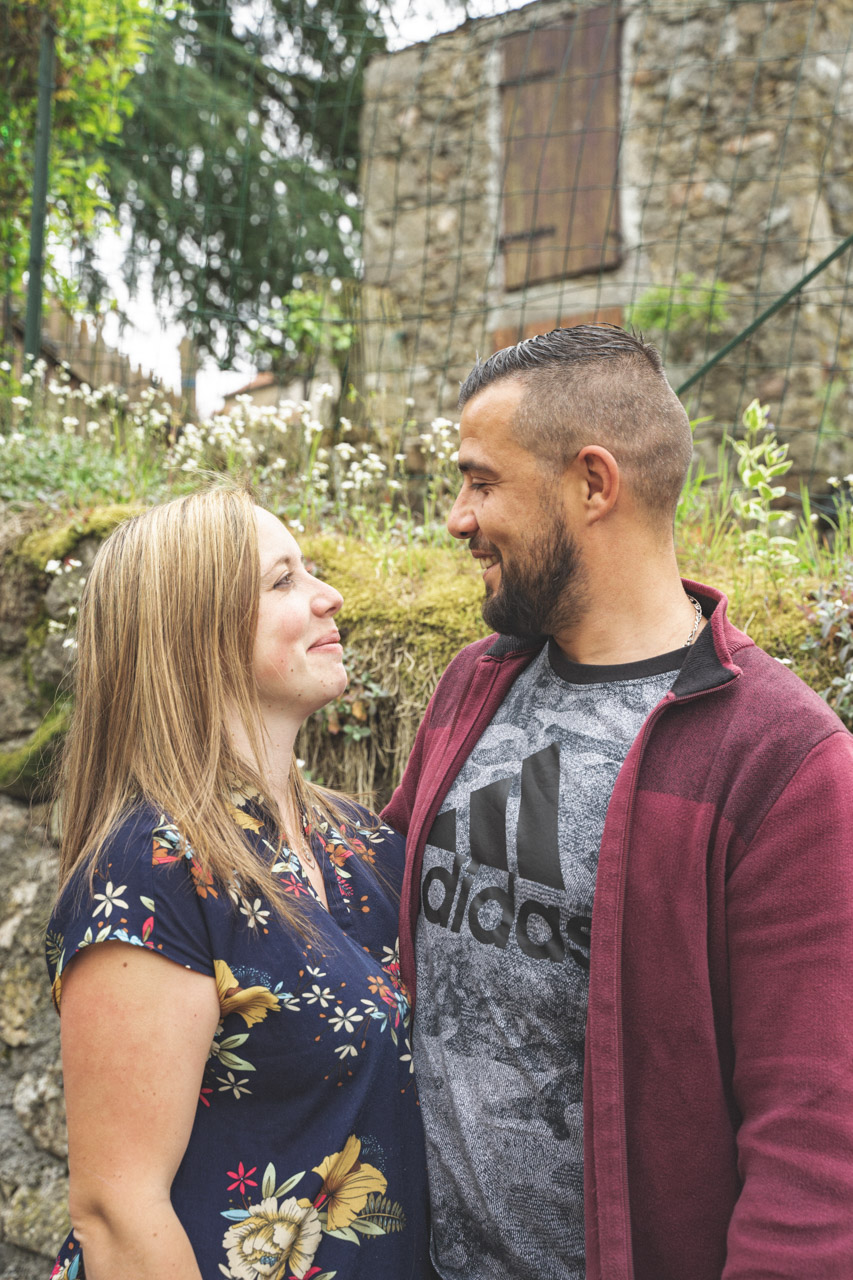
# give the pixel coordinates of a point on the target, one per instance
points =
(276, 739)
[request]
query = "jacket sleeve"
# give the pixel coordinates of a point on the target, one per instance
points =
(398, 812)
(449, 691)
(790, 931)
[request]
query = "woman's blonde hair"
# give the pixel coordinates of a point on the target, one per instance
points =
(165, 636)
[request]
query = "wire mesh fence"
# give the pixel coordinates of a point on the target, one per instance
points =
(375, 194)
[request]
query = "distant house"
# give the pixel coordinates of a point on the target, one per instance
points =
(269, 388)
(264, 389)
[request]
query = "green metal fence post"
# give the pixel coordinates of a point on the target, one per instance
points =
(32, 331)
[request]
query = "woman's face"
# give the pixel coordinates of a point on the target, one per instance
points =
(298, 658)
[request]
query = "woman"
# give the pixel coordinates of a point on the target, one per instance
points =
(237, 1072)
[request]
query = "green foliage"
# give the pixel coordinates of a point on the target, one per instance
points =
(98, 46)
(761, 460)
(830, 612)
(237, 170)
(72, 446)
(309, 321)
(354, 712)
(410, 602)
(689, 306)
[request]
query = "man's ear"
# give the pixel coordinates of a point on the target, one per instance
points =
(600, 481)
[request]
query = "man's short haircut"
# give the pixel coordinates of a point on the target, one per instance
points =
(596, 384)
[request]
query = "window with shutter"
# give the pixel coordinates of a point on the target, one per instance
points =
(560, 113)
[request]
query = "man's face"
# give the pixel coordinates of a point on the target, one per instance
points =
(513, 514)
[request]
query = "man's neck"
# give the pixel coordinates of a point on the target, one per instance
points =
(631, 623)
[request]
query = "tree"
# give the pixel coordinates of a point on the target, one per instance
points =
(98, 46)
(236, 171)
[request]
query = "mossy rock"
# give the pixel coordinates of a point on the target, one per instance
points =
(25, 770)
(406, 612)
(60, 538)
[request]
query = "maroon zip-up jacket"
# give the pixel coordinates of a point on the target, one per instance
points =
(718, 1086)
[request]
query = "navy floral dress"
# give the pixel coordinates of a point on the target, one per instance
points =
(306, 1158)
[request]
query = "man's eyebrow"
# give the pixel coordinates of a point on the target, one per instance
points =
(471, 464)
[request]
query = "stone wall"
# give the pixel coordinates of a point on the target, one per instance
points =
(735, 164)
(36, 609)
(33, 1182)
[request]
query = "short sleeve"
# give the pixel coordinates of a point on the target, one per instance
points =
(146, 892)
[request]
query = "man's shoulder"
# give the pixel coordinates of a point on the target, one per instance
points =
(774, 694)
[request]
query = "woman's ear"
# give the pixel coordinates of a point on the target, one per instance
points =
(600, 478)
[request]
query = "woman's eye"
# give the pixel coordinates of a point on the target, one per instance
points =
(286, 580)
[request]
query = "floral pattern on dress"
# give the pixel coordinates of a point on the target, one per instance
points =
(280, 1235)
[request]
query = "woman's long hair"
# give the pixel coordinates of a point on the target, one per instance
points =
(165, 637)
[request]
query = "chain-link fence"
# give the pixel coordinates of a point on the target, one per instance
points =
(379, 195)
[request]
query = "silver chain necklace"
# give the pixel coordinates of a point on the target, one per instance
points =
(697, 606)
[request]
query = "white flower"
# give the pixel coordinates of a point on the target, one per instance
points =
(229, 1082)
(325, 391)
(346, 1051)
(833, 481)
(274, 1240)
(343, 1021)
(110, 898)
(5, 367)
(70, 643)
(323, 995)
(53, 566)
(254, 915)
(20, 402)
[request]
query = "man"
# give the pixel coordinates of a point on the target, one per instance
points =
(629, 900)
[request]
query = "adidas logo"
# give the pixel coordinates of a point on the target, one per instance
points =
(538, 860)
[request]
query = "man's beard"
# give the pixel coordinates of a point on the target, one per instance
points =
(541, 595)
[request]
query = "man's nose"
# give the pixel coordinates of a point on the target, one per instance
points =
(461, 521)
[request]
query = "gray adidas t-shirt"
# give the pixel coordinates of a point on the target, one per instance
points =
(502, 951)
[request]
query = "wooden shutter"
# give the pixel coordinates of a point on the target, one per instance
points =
(560, 112)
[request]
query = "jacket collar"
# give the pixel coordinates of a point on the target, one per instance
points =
(709, 664)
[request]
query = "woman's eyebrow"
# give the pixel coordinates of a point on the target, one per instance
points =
(287, 561)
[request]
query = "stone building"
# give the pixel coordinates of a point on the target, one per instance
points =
(555, 164)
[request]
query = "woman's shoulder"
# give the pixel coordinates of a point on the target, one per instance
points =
(126, 893)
